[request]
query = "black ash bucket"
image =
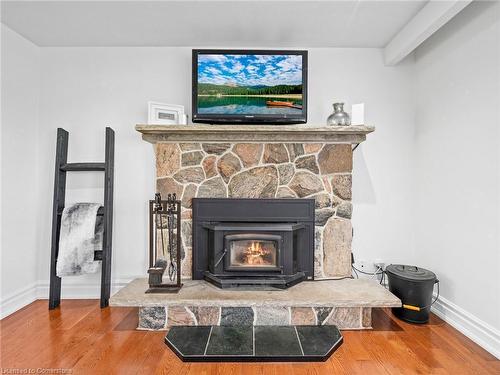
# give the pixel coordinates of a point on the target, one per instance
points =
(413, 286)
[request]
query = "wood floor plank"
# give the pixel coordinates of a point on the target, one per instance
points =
(88, 340)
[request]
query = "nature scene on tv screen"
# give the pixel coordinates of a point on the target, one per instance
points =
(249, 84)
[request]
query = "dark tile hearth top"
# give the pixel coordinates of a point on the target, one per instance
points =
(253, 344)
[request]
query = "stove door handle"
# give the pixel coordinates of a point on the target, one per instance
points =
(221, 257)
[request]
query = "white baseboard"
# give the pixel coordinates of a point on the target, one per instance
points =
(18, 300)
(80, 290)
(69, 290)
(480, 332)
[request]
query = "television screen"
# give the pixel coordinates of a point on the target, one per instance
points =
(249, 86)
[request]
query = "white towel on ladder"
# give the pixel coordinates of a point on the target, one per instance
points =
(78, 239)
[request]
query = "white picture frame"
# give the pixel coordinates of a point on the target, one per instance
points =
(165, 114)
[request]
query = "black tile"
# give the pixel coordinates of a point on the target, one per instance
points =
(236, 316)
(235, 343)
(231, 341)
(189, 340)
(318, 340)
(276, 341)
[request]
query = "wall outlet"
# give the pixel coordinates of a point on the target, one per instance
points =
(379, 264)
(365, 266)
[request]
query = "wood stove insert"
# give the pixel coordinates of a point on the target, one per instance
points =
(253, 242)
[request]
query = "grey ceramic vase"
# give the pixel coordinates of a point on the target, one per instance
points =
(338, 117)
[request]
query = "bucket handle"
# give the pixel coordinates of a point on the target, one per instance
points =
(417, 308)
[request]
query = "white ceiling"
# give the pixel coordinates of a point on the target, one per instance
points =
(256, 23)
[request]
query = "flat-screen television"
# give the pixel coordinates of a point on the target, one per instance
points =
(249, 86)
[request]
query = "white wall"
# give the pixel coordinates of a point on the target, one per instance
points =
(20, 76)
(458, 163)
(85, 89)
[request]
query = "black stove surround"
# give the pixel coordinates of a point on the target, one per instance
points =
(253, 242)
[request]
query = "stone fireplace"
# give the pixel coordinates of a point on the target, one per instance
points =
(242, 163)
(264, 162)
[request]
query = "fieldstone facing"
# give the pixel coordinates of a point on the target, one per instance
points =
(206, 315)
(189, 146)
(268, 316)
(337, 238)
(342, 186)
(180, 316)
(322, 314)
(215, 148)
(213, 188)
(186, 229)
(323, 200)
(228, 165)
(167, 159)
(335, 158)
(188, 195)
(322, 216)
(305, 183)
(236, 316)
(318, 252)
(191, 174)
(345, 317)
(160, 318)
(275, 153)
(285, 172)
(303, 316)
(167, 186)
(249, 153)
(307, 162)
(255, 170)
(326, 184)
(312, 148)
(186, 263)
(209, 166)
(191, 158)
(366, 317)
(153, 318)
(344, 210)
(285, 192)
(295, 150)
(336, 201)
(258, 182)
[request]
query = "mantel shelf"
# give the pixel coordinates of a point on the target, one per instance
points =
(354, 134)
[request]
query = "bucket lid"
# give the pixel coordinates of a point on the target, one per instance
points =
(412, 273)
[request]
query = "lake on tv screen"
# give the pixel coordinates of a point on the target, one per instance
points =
(249, 84)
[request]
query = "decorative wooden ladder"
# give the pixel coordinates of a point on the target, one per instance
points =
(62, 166)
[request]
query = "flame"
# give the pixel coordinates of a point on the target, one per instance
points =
(254, 254)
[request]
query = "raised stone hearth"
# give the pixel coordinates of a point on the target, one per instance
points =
(345, 303)
(245, 161)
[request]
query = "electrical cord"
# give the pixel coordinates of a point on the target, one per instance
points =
(333, 278)
(369, 273)
(356, 272)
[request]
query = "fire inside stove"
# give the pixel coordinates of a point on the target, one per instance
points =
(253, 253)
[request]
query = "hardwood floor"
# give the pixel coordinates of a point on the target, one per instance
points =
(84, 339)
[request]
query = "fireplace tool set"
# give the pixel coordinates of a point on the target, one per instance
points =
(164, 244)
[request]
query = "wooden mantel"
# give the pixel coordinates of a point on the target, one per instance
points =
(254, 133)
